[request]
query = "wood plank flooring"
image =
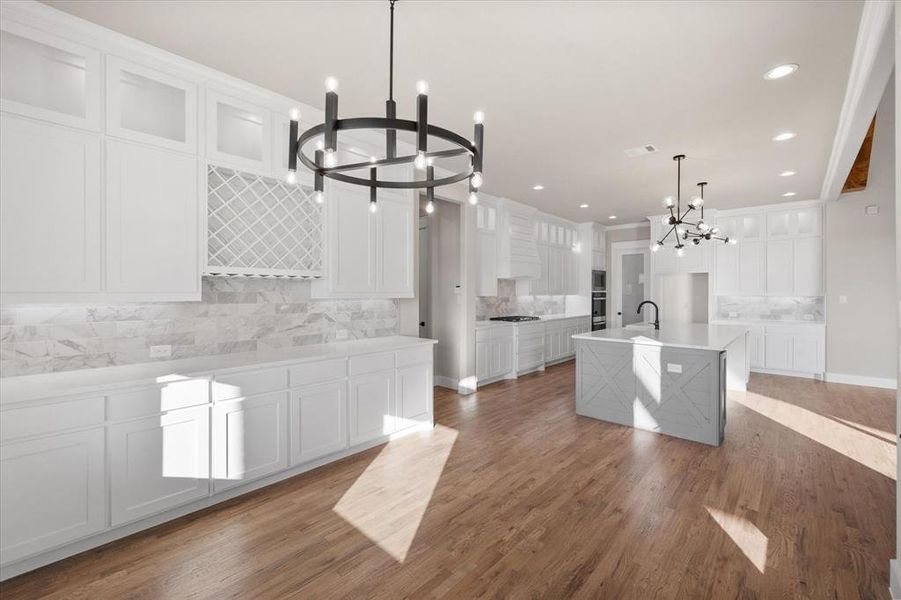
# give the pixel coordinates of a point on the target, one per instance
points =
(514, 496)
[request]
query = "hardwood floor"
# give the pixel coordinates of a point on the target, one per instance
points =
(518, 497)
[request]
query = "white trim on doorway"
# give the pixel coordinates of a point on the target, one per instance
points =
(617, 250)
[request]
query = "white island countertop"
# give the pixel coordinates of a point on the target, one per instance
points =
(698, 336)
(32, 387)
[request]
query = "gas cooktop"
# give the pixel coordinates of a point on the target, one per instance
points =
(515, 318)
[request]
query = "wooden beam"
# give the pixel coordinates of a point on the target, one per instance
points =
(860, 170)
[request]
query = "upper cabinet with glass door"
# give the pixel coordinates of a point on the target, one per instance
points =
(239, 134)
(148, 106)
(49, 78)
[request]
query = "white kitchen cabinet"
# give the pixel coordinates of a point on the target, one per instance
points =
(780, 267)
(807, 266)
(146, 105)
(727, 266)
(238, 133)
(778, 351)
(158, 463)
(371, 406)
(486, 249)
(369, 254)
(495, 347)
(50, 211)
(751, 268)
(394, 259)
(794, 222)
(249, 439)
(598, 248)
(414, 395)
(318, 420)
(52, 491)
(517, 246)
(152, 223)
(49, 78)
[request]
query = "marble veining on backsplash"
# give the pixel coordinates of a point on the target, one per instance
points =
(762, 308)
(507, 303)
(234, 315)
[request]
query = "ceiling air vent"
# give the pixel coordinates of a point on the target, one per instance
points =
(640, 150)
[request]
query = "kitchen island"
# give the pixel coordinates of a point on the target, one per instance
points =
(672, 380)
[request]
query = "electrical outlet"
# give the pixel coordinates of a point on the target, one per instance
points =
(341, 334)
(673, 368)
(160, 351)
(733, 315)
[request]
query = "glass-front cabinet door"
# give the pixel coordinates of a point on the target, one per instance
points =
(148, 106)
(239, 133)
(49, 78)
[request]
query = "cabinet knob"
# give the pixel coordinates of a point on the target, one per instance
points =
(422, 323)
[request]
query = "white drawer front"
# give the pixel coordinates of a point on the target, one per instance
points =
(483, 334)
(153, 400)
(414, 356)
(249, 383)
(502, 333)
(47, 418)
(370, 363)
(530, 329)
(317, 372)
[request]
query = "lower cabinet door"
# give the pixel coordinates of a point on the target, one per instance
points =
(806, 354)
(371, 406)
(52, 491)
(249, 439)
(159, 463)
(778, 351)
(756, 348)
(501, 356)
(318, 421)
(414, 395)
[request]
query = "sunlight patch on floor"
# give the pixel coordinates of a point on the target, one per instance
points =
(872, 452)
(388, 500)
(749, 539)
(886, 435)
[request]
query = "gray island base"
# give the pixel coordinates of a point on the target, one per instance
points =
(671, 380)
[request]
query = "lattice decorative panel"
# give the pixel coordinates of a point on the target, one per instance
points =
(261, 226)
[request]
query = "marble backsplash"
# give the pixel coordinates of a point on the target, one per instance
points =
(762, 308)
(234, 315)
(508, 303)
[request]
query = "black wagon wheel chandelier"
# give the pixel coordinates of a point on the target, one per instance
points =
(324, 162)
(682, 229)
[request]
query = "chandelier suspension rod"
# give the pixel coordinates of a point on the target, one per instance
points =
(391, 56)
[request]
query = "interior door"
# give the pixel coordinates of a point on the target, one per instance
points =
(425, 279)
(630, 266)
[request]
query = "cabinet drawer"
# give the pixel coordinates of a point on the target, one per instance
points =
(482, 334)
(157, 399)
(317, 372)
(414, 356)
(530, 329)
(249, 383)
(369, 363)
(502, 333)
(531, 341)
(47, 418)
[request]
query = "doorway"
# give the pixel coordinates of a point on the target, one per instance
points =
(441, 306)
(630, 264)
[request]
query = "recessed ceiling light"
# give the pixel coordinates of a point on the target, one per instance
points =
(583, 206)
(538, 187)
(786, 173)
(612, 217)
(780, 71)
(788, 194)
(784, 136)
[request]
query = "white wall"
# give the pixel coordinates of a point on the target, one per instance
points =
(860, 265)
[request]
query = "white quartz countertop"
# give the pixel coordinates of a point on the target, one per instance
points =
(46, 385)
(787, 322)
(696, 336)
(482, 323)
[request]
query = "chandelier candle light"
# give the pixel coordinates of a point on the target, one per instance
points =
(324, 163)
(696, 231)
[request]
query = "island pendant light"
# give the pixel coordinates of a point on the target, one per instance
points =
(324, 162)
(684, 230)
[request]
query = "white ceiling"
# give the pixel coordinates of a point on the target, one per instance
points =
(565, 86)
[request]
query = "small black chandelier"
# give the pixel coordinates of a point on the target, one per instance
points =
(696, 231)
(324, 161)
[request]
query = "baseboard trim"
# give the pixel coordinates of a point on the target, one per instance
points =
(446, 382)
(894, 587)
(786, 373)
(877, 382)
